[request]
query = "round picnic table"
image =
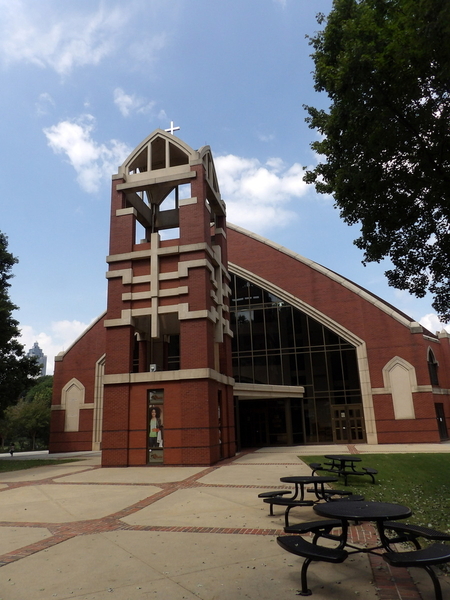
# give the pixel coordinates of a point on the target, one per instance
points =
(377, 512)
(343, 459)
(317, 481)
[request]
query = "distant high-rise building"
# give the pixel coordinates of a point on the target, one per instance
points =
(42, 359)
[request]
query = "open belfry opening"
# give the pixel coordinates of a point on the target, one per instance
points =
(167, 380)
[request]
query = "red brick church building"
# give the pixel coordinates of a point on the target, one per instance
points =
(215, 338)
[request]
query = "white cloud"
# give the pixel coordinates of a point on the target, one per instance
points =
(46, 36)
(62, 335)
(257, 195)
(432, 323)
(127, 103)
(146, 50)
(44, 104)
(93, 162)
(266, 137)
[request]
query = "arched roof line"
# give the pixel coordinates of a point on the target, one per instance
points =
(353, 287)
(333, 325)
(194, 155)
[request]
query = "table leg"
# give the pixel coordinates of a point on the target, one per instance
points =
(383, 538)
(344, 538)
(299, 492)
(302, 492)
(319, 490)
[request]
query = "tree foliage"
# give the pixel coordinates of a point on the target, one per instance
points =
(16, 369)
(29, 419)
(385, 65)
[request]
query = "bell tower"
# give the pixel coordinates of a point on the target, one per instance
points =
(168, 386)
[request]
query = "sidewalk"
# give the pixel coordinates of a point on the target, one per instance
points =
(78, 531)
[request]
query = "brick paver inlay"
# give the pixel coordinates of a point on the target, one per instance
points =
(391, 584)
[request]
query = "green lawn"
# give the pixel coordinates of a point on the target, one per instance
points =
(9, 464)
(420, 481)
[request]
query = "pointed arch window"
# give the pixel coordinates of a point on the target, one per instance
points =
(433, 367)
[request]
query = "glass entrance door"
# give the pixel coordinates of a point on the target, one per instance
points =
(348, 423)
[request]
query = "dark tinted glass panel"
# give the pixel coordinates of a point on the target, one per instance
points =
(244, 330)
(272, 329)
(288, 375)
(260, 366)
(350, 369)
(315, 333)
(246, 374)
(274, 367)
(331, 339)
(319, 369)
(256, 294)
(309, 413)
(323, 415)
(291, 361)
(287, 335)
(235, 338)
(300, 329)
(304, 368)
(335, 370)
(258, 330)
(242, 295)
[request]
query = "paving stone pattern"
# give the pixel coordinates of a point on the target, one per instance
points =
(391, 583)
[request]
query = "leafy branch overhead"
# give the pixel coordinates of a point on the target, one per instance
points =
(385, 139)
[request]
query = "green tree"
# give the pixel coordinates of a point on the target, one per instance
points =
(41, 389)
(16, 369)
(385, 65)
(29, 419)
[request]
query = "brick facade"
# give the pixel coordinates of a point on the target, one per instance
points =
(165, 290)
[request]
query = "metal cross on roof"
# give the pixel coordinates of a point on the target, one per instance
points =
(171, 128)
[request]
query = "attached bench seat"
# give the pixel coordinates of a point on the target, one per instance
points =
(436, 554)
(371, 472)
(320, 528)
(274, 494)
(407, 532)
(311, 552)
(366, 471)
(350, 498)
(331, 492)
(288, 503)
(329, 495)
(315, 467)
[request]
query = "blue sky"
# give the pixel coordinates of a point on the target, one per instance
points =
(84, 82)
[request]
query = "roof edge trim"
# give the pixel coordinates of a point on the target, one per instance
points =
(319, 316)
(356, 289)
(60, 356)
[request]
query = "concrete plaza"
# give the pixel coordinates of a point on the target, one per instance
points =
(82, 532)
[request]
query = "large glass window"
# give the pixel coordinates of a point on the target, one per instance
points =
(277, 344)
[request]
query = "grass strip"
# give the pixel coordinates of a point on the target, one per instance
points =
(419, 481)
(9, 464)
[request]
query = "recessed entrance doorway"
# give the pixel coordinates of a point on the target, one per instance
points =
(281, 422)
